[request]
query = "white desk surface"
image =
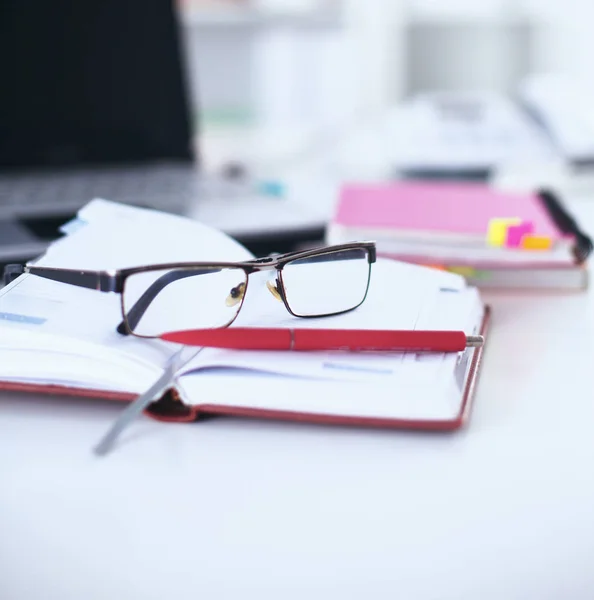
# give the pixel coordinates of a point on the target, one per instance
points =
(244, 509)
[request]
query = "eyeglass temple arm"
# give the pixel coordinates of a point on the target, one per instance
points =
(138, 309)
(94, 280)
(320, 255)
(351, 253)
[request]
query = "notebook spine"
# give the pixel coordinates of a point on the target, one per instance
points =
(567, 224)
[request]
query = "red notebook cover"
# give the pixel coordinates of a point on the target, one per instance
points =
(171, 408)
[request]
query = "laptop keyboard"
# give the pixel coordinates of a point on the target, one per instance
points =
(165, 186)
(41, 202)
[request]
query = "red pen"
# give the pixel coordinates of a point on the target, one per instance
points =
(255, 338)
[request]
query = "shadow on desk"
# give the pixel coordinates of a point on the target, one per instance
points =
(95, 416)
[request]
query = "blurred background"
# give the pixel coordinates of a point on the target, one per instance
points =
(305, 69)
(287, 99)
(322, 60)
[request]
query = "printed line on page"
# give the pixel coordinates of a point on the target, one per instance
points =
(15, 318)
(347, 367)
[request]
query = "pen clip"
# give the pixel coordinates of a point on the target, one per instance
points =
(136, 407)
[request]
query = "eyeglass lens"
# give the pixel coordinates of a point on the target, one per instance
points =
(158, 301)
(328, 283)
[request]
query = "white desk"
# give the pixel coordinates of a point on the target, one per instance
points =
(243, 509)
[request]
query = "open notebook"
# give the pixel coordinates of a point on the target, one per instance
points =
(56, 338)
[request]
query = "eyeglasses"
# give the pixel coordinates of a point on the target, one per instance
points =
(162, 298)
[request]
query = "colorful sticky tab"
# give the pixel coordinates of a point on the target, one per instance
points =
(483, 275)
(536, 242)
(515, 233)
(462, 270)
(497, 230)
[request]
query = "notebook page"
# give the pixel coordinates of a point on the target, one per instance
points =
(398, 295)
(410, 386)
(422, 306)
(355, 366)
(109, 235)
(43, 319)
(63, 334)
(400, 397)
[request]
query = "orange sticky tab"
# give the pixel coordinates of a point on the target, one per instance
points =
(497, 230)
(536, 242)
(438, 267)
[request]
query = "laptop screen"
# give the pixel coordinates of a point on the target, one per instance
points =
(91, 82)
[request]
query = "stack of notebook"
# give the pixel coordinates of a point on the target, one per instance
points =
(493, 238)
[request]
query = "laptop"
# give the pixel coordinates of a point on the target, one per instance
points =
(94, 103)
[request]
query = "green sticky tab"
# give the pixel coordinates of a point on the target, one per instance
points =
(464, 271)
(482, 275)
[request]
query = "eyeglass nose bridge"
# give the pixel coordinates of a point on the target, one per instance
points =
(267, 263)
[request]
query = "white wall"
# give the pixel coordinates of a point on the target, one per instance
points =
(509, 38)
(385, 49)
(565, 39)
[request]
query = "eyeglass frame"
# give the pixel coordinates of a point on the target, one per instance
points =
(113, 281)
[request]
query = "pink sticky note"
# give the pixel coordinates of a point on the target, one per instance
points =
(515, 233)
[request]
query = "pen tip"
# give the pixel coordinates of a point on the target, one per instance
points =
(475, 341)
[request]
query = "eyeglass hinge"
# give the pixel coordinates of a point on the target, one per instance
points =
(11, 272)
(109, 281)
